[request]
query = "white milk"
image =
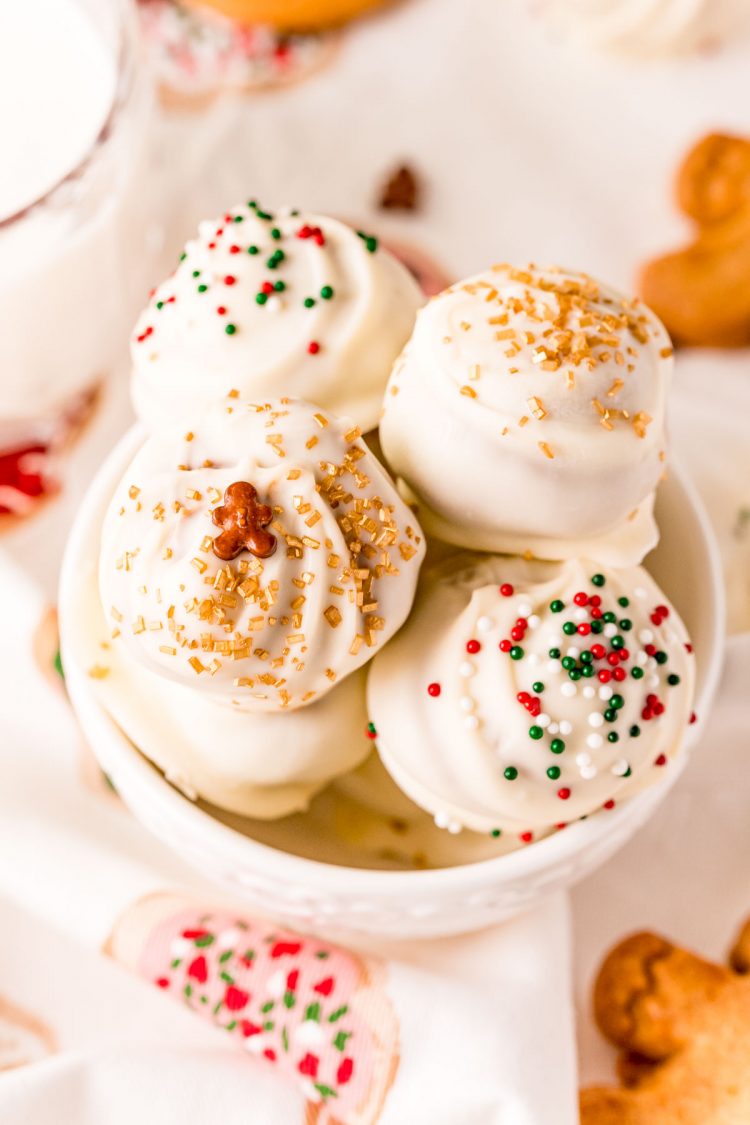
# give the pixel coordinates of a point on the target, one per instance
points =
(63, 274)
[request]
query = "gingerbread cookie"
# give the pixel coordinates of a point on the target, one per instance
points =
(702, 292)
(682, 1025)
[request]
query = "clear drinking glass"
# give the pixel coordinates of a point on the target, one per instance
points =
(73, 216)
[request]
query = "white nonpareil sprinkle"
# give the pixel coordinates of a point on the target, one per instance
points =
(645, 636)
(466, 669)
(594, 741)
(524, 609)
(466, 703)
(595, 719)
(553, 728)
(574, 652)
(589, 692)
(620, 767)
(471, 722)
(610, 630)
(554, 667)
(588, 773)
(543, 720)
(485, 624)
(534, 620)
(583, 759)
(568, 689)
(566, 726)
(605, 693)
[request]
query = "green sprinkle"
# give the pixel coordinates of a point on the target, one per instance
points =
(626, 624)
(598, 579)
(617, 702)
(371, 243)
(252, 203)
(673, 680)
(624, 602)
(238, 219)
(553, 773)
(613, 736)
(252, 250)
(510, 773)
(617, 641)
(230, 329)
(326, 292)
(588, 671)
(557, 746)
(160, 304)
(569, 628)
(202, 288)
(279, 286)
(661, 657)
(554, 654)
(609, 618)
(496, 833)
(596, 627)
(574, 674)
(637, 673)
(634, 731)
(261, 298)
(536, 733)
(516, 653)
(610, 715)
(183, 256)
(557, 606)
(538, 687)
(196, 273)
(263, 215)
(568, 662)
(275, 233)
(586, 657)
(308, 302)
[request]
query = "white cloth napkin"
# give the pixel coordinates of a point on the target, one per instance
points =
(479, 1016)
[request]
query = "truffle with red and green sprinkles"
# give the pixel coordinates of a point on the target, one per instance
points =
(266, 303)
(522, 695)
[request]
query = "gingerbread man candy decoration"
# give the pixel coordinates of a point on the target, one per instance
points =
(243, 522)
(682, 1024)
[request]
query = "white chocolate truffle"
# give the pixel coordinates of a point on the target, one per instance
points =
(648, 27)
(526, 414)
(260, 632)
(270, 305)
(522, 695)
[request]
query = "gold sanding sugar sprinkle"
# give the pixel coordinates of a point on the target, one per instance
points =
(665, 353)
(641, 421)
(134, 492)
(234, 393)
(189, 435)
(168, 650)
(311, 442)
(468, 391)
(321, 420)
(193, 494)
(294, 474)
(536, 407)
(98, 671)
(197, 665)
(199, 565)
(580, 324)
(332, 616)
(352, 435)
(475, 371)
(546, 450)
(616, 387)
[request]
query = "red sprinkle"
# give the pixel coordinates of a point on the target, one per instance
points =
(526, 837)
(221, 310)
(506, 590)
(693, 718)
(584, 628)
(229, 280)
(313, 347)
(604, 675)
(563, 793)
(505, 646)
(598, 652)
(581, 598)
(610, 804)
(661, 760)
(434, 690)
(234, 249)
(473, 646)
(619, 674)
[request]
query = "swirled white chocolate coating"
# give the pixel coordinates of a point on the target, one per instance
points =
(527, 414)
(269, 305)
(522, 695)
(261, 634)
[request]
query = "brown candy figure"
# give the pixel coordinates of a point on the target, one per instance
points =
(243, 520)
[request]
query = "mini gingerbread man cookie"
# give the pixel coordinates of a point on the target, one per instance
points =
(682, 1024)
(701, 292)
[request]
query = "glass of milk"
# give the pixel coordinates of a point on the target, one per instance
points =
(72, 212)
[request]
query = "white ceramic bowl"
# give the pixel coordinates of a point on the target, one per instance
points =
(300, 869)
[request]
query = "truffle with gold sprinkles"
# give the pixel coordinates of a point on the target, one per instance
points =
(522, 695)
(260, 557)
(273, 303)
(526, 415)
